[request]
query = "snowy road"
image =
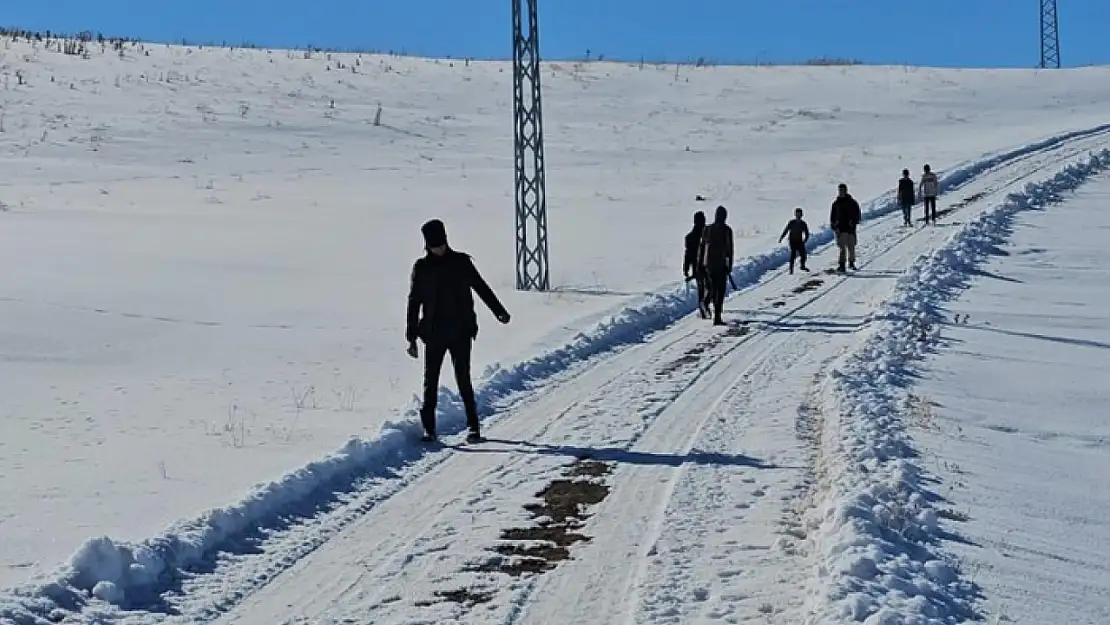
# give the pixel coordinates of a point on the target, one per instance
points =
(708, 439)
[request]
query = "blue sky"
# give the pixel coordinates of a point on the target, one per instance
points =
(972, 33)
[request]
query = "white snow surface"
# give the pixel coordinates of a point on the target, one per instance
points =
(880, 526)
(1012, 416)
(207, 268)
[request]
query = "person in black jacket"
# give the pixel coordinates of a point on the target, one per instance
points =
(905, 196)
(441, 287)
(843, 219)
(716, 257)
(692, 267)
(799, 236)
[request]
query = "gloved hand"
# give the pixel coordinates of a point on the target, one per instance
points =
(412, 350)
(503, 318)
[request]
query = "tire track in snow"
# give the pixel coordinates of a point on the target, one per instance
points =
(636, 535)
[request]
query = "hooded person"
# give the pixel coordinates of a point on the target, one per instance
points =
(441, 314)
(716, 257)
(691, 264)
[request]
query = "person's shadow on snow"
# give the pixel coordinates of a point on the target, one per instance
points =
(620, 456)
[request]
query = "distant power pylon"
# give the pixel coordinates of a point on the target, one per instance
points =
(1050, 35)
(531, 194)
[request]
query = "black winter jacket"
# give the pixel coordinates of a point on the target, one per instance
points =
(717, 247)
(845, 215)
(798, 230)
(691, 260)
(905, 191)
(441, 286)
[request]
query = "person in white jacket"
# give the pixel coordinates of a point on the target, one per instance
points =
(929, 187)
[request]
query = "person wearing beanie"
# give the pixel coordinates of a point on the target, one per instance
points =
(441, 314)
(692, 269)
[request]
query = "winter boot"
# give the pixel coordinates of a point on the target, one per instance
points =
(475, 436)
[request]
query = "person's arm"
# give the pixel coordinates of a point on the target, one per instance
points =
(486, 293)
(784, 231)
(412, 317)
(805, 232)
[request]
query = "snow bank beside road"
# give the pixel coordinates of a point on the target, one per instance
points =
(879, 535)
(133, 576)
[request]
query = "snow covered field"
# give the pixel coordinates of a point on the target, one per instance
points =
(1011, 415)
(208, 252)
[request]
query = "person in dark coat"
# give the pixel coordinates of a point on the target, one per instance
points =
(691, 262)
(440, 288)
(844, 216)
(716, 255)
(905, 196)
(799, 236)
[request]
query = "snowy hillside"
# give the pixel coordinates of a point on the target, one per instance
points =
(1011, 414)
(207, 253)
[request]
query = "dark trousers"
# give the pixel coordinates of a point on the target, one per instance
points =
(930, 209)
(701, 279)
(434, 353)
(906, 208)
(797, 251)
(718, 281)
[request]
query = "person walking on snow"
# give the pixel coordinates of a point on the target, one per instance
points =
(929, 187)
(843, 219)
(799, 236)
(440, 288)
(692, 267)
(716, 257)
(905, 196)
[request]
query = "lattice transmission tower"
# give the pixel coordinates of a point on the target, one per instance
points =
(1050, 35)
(531, 194)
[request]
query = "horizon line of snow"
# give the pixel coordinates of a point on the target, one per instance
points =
(878, 531)
(133, 575)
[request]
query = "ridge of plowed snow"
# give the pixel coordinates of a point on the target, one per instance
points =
(879, 525)
(124, 574)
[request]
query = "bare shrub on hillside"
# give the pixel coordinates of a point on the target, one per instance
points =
(827, 60)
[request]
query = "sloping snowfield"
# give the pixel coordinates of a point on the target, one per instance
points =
(208, 253)
(1011, 414)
